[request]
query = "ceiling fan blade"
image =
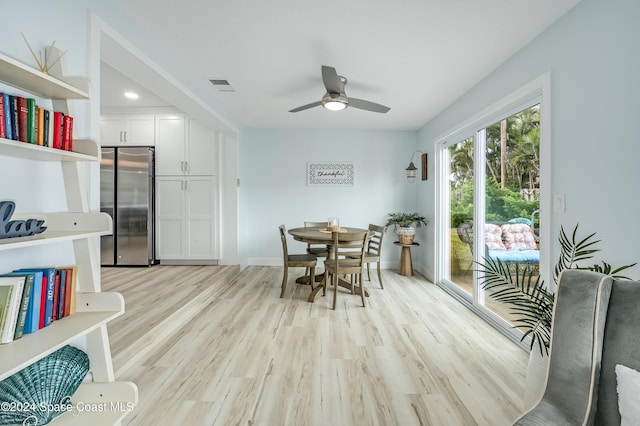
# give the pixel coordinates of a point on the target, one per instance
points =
(366, 105)
(303, 107)
(330, 79)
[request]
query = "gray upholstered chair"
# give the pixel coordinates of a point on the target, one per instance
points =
(595, 328)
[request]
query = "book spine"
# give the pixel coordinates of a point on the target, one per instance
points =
(57, 130)
(3, 129)
(56, 293)
(62, 280)
(5, 297)
(51, 287)
(24, 307)
(43, 300)
(67, 293)
(46, 128)
(74, 272)
(12, 313)
(23, 119)
(32, 120)
(40, 127)
(67, 135)
(33, 316)
(14, 118)
(7, 116)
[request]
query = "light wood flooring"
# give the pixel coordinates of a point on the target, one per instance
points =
(209, 345)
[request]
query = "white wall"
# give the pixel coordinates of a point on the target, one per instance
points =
(274, 188)
(592, 56)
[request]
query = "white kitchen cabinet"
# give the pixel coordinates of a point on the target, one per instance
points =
(94, 308)
(170, 144)
(127, 130)
(186, 218)
(184, 147)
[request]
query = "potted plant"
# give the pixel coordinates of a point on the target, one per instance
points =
(405, 225)
(527, 296)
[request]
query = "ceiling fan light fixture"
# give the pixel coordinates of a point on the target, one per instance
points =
(335, 101)
(334, 105)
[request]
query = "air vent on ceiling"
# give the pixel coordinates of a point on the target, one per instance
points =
(222, 85)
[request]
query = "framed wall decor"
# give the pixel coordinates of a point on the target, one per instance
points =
(330, 173)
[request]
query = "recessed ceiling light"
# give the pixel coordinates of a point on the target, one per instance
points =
(131, 95)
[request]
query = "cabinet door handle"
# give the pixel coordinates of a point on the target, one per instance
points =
(186, 166)
(125, 136)
(182, 166)
(121, 136)
(186, 185)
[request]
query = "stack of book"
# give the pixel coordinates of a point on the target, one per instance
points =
(33, 298)
(22, 120)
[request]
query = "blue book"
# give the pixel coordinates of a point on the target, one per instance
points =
(7, 117)
(47, 297)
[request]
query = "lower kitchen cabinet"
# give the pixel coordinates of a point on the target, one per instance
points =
(186, 218)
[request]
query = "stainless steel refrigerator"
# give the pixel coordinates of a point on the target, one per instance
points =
(127, 195)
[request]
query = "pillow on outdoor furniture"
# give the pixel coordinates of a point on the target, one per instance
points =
(493, 237)
(518, 236)
(628, 388)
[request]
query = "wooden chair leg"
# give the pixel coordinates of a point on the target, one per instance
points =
(369, 271)
(334, 281)
(284, 281)
(362, 292)
(379, 275)
(312, 271)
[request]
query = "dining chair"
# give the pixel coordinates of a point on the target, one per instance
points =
(348, 259)
(306, 260)
(320, 250)
(372, 255)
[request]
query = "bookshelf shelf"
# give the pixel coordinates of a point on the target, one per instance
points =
(93, 310)
(26, 78)
(84, 150)
(62, 226)
(87, 327)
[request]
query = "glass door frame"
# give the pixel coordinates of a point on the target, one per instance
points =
(536, 92)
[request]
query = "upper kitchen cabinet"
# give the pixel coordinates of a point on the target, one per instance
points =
(127, 130)
(184, 147)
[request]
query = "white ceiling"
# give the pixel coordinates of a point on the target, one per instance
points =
(415, 56)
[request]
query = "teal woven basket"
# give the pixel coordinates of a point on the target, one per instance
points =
(42, 391)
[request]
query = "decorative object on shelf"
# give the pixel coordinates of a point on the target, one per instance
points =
(17, 228)
(43, 390)
(44, 65)
(412, 169)
(405, 225)
(336, 173)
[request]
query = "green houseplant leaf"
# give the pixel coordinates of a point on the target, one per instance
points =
(406, 220)
(528, 297)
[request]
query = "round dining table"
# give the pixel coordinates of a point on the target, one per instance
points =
(322, 235)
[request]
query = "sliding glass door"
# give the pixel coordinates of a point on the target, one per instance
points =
(491, 193)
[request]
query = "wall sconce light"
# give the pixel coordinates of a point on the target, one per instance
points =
(412, 170)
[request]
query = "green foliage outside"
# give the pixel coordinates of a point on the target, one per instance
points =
(518, 166)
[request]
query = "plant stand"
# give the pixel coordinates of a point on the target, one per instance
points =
(406, 264)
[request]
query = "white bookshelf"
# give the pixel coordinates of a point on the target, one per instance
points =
(94, 309)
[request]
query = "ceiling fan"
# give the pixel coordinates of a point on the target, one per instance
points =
(335, 99)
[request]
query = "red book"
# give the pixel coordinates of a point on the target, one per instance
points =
(23, 119)
(3, 130)
(43, 301)
(57, 130)
(67, 132)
